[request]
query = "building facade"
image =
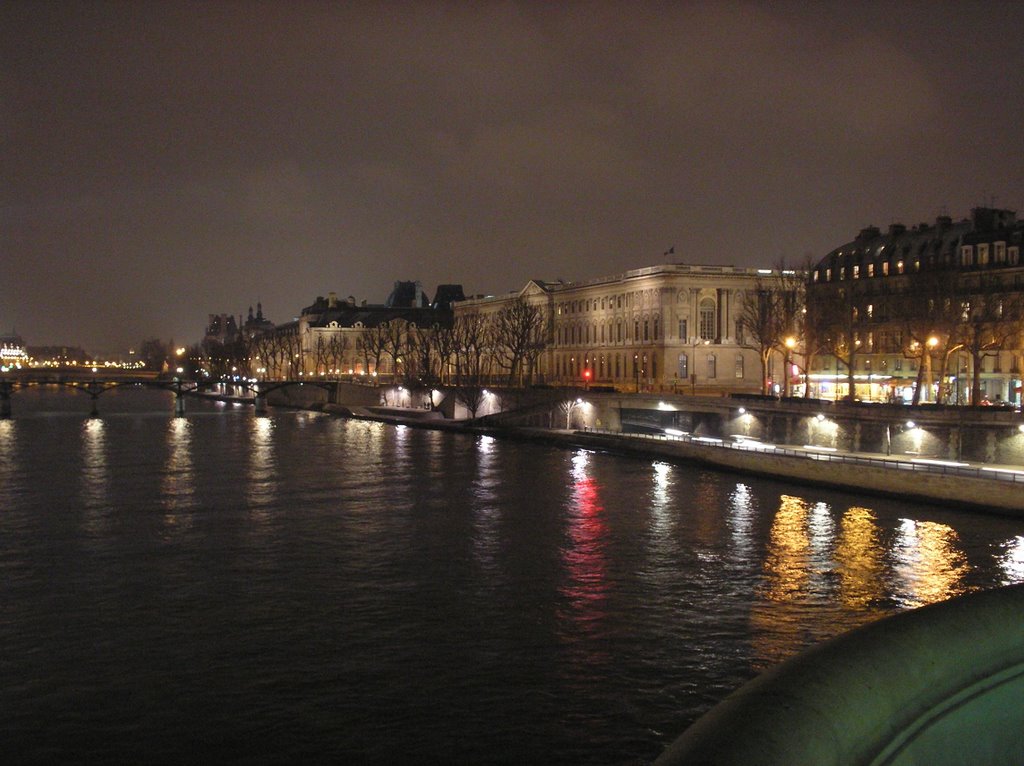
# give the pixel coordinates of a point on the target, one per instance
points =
(931, 312)
(667, 328)
(331, 337)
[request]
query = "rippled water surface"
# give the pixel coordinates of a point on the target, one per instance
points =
(265, 590)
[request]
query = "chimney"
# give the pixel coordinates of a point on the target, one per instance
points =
(332, 300)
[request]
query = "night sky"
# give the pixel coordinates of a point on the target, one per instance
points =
(164, 161)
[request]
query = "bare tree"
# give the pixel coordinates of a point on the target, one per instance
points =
(336, 349)
(762, 325)
(396, 344)
(833, 316)
(471, 337)
(772, 316)
(990, 321)
(374, 342)
(519, 338)
(445, 346)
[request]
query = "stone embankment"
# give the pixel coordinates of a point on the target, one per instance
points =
(934, 460)
(992, 489)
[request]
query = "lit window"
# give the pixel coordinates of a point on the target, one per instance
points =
(707, 319)
(899, 267)
(871, 270)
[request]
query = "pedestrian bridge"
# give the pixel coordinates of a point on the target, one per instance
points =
(95, 386)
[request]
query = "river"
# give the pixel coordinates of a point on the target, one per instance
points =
(226, 587)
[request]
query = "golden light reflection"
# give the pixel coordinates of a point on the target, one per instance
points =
(178, 484)
(929, 566)
(787, 565)
(95, 475)
(584, 559)
(485, 515)
(859, 560)
(260, 483)
(798, 574)
(1011, 561)
(8, 450)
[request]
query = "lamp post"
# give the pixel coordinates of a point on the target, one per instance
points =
(790, 344)
(931, 343)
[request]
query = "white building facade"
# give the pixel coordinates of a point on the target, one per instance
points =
(667, 328)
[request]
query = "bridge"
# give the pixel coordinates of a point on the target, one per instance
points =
(95, 386)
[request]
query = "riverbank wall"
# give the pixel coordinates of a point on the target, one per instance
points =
(954, 456)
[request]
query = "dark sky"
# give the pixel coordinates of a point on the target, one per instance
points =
(162, 161)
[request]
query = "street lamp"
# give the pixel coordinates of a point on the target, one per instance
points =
(790, 344)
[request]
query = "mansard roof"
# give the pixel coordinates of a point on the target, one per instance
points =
(932, 246)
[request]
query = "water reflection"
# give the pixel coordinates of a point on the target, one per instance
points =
(859, 560)
(177, 486)
(787, 566)
(929, 566)
(261, 484)
(486, 542)
(664, 549)
(1011, 561)
(660, 508)
(740, 519)
(95, 476)
(8, 463)
(584, 557)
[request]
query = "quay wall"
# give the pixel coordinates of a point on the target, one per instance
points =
(988, 494)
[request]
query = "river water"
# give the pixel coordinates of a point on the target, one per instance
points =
(300, 587)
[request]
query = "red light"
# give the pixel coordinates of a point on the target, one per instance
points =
(586, 373)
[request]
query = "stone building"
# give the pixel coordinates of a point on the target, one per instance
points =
(328, 338)
(673, 327)
(933, 308)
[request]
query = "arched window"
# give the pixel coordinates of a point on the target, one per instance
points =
(707, 319)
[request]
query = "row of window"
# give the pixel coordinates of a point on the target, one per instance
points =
(646, 330)
(621, 367)
(995, 252)
(572, 335)
(1001, 254)
(604, 303)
